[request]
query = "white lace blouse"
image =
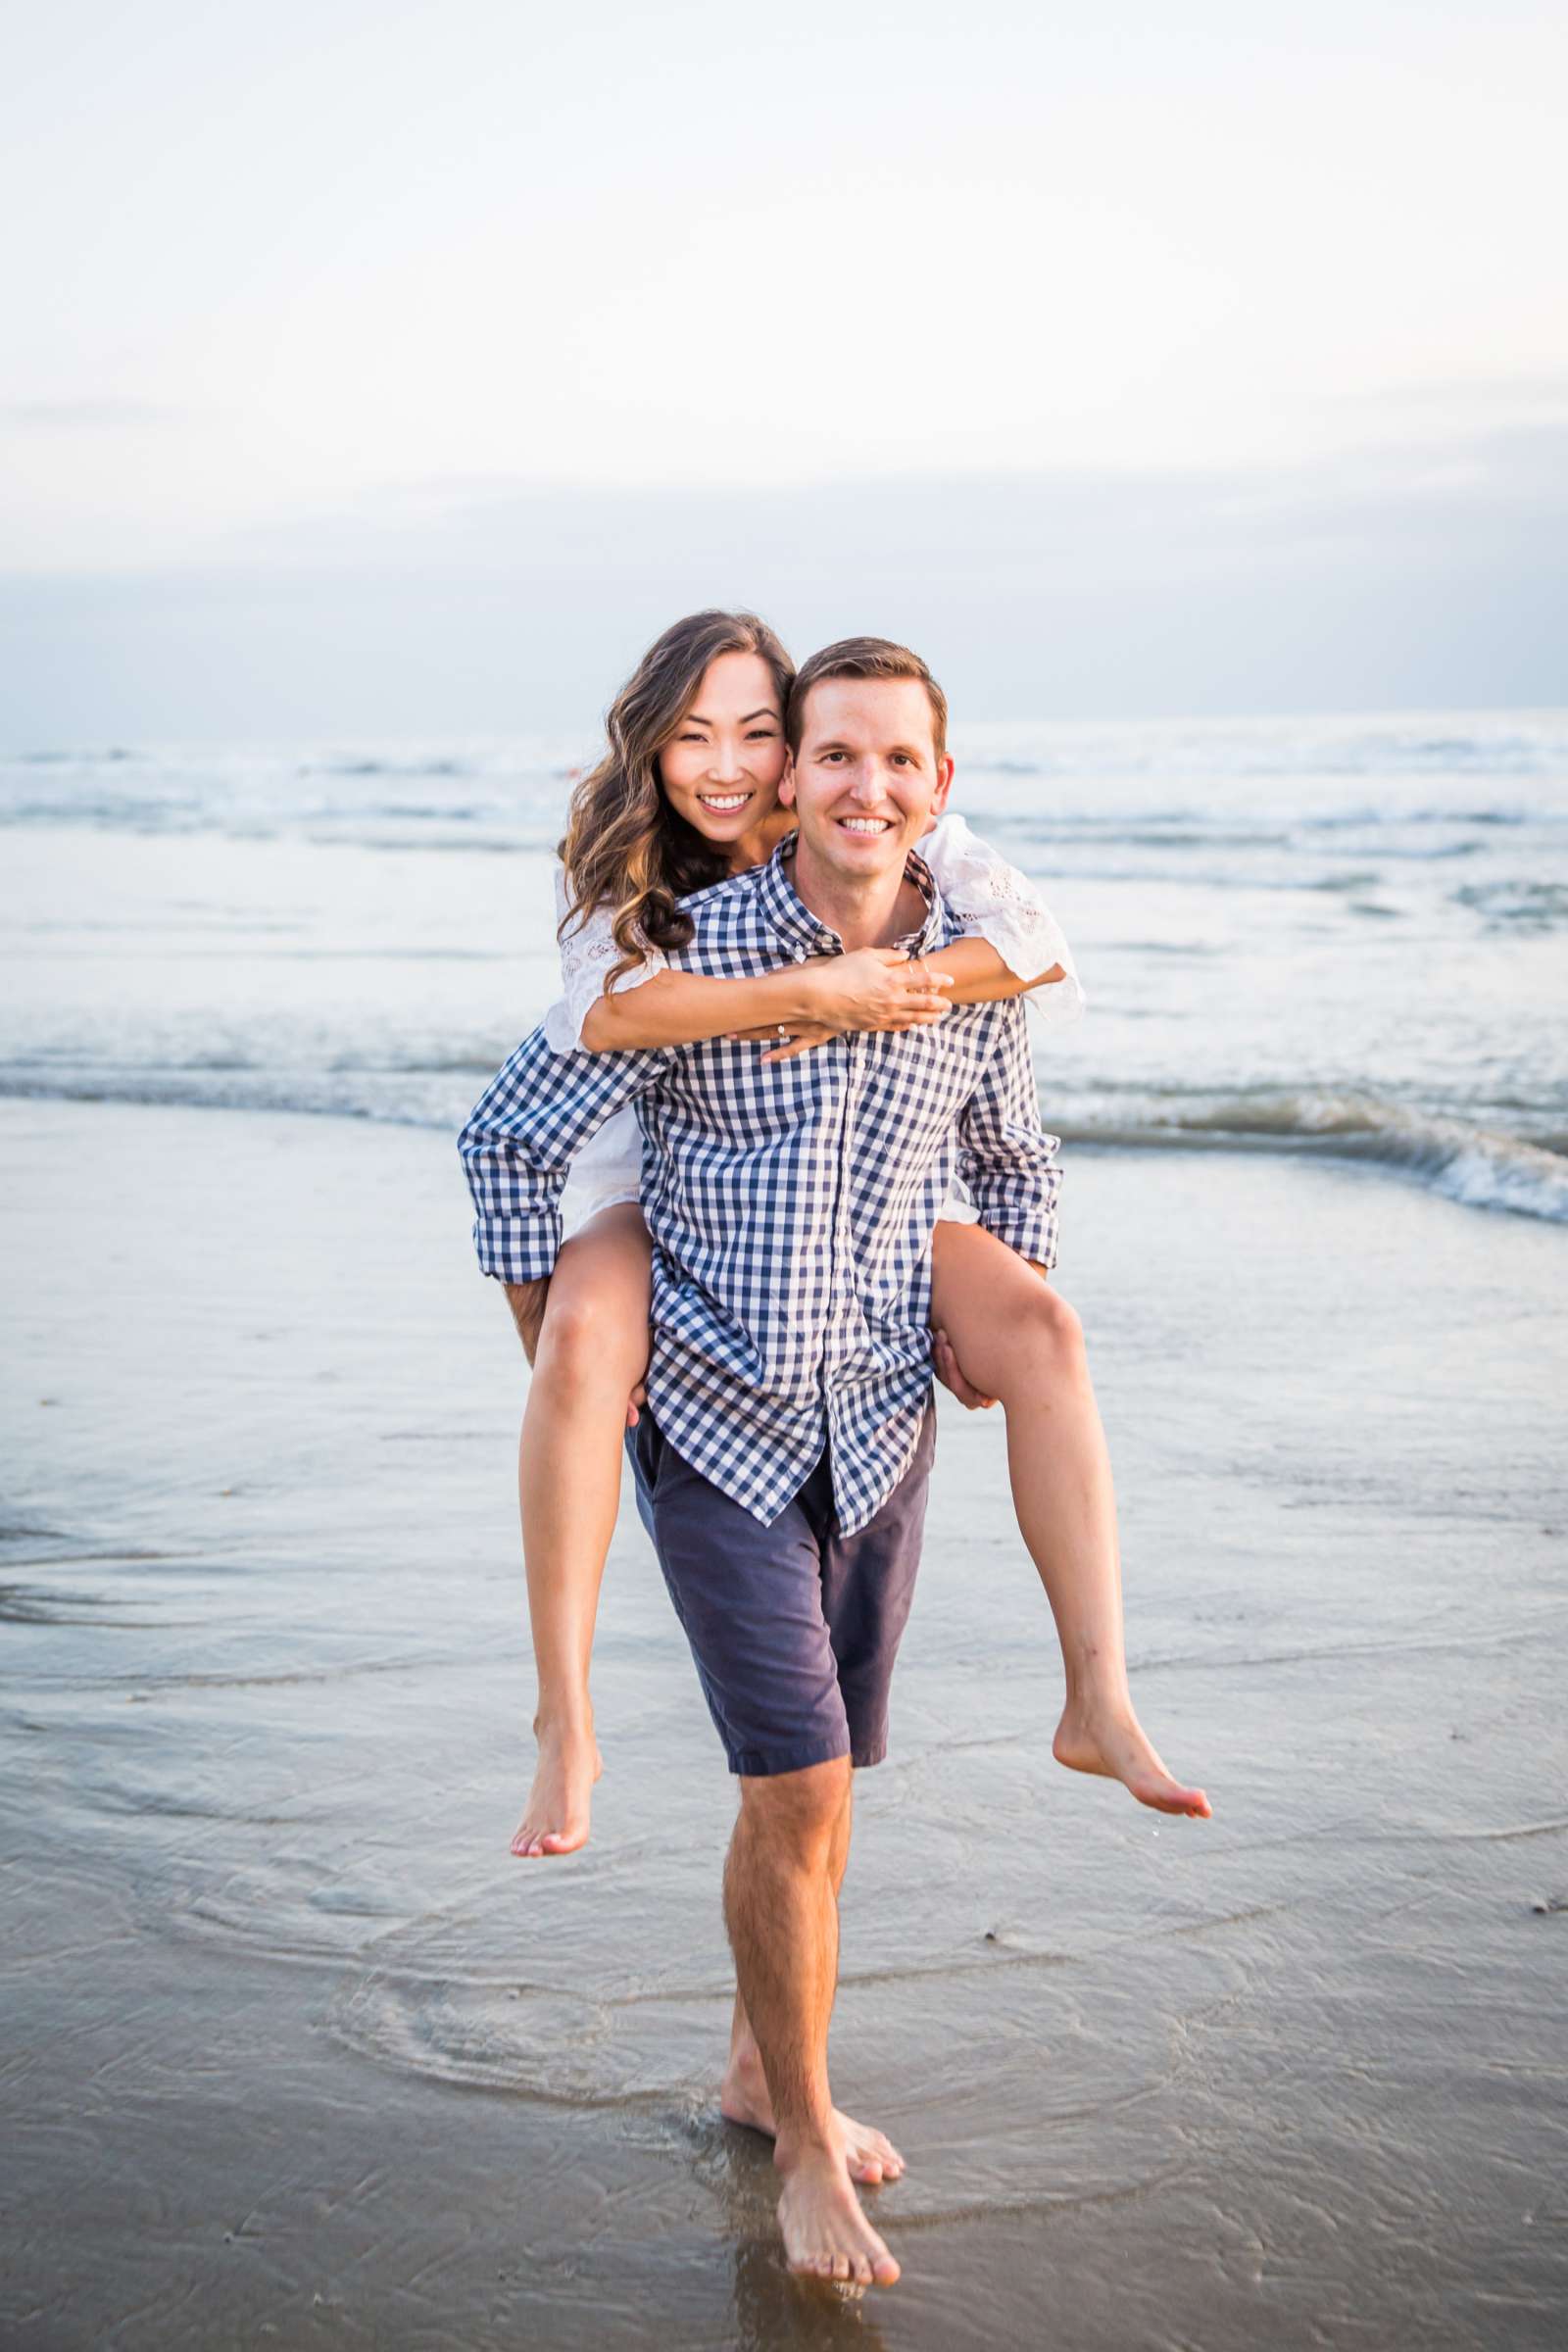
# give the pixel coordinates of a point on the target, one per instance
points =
(991, 899)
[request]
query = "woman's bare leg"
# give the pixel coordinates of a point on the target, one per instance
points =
(1014, 1338)
(593, 1350)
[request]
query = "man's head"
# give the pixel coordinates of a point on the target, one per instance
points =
(867, 728)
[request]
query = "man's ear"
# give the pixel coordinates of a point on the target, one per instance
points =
(939, 799)
(786, 783)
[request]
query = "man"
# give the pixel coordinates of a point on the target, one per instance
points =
(783, 1455)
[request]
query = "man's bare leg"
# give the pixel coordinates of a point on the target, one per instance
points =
(592, 1350)
(782, 1917)
(1012, 1337)
(744, 2096)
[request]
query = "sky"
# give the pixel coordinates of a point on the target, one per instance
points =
(389, 368)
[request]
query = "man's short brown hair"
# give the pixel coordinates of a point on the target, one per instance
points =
(864, 657)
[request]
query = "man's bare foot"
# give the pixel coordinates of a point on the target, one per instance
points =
(743, 2098)
(555, 1820)
(1108, 1737)
(826, 2235)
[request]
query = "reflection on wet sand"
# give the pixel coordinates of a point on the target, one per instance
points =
(320, 2058)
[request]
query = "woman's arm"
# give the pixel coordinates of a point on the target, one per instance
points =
(875, 988)
(651, 1005)
(980, 976)
(681, 1009)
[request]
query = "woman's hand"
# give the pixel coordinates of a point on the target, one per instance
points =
(801, 1038)
(875, 988)
(798, 1038)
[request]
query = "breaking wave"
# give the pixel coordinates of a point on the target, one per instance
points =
(1471, 1165)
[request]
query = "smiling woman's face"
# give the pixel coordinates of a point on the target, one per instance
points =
(720, 769)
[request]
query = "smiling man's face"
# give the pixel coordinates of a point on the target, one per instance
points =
(866, 781)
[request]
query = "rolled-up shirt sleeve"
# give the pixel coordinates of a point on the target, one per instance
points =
(521, 1137)
(1004, 1155)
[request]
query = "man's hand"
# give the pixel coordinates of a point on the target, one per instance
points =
(950, 1375)
(526, 1301)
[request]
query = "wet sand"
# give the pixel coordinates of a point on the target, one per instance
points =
(298, 2054)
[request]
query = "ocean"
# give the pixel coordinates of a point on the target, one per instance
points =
(301, 2055)
(1341, 936)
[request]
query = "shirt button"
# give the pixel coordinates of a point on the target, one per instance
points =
(800, 954)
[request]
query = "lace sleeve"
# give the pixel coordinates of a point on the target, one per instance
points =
(991, 897)
(588, 950)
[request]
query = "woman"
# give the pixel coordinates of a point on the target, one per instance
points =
(687, 792)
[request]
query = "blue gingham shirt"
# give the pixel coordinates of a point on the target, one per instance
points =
(791, 1204)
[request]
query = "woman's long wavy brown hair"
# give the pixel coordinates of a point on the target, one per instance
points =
(624, 846)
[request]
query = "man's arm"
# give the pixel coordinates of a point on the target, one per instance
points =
(1005, 1154)
(526, 1301)
(522, 1134)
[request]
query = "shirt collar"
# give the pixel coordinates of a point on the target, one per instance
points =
(801, 929)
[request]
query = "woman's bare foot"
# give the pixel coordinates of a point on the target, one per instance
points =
(743, 2098)
(1107, 1736)
(826, 2235)
(555, 1820)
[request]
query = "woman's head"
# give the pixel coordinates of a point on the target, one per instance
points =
(721, 767)
(695, 754)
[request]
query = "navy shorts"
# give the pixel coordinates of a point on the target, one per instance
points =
(793, 1627)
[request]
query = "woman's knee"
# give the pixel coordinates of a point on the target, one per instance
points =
(1059, 1316)
(1046, 1327)
(589, 1338)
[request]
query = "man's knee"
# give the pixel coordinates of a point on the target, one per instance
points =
(799, 1810)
